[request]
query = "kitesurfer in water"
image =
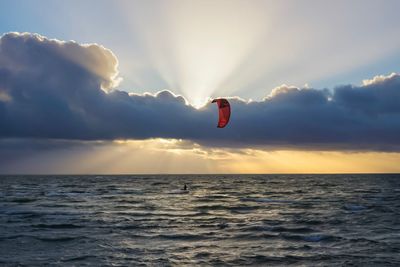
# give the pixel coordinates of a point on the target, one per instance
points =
(185, 187)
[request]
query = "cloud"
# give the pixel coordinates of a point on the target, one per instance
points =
(63, 90)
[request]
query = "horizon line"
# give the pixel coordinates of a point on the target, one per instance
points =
(182, 174)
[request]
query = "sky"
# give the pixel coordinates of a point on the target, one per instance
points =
(125, 86)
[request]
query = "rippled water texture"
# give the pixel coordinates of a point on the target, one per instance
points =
(235, 220)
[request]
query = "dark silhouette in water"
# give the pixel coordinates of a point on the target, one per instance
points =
(185, 188)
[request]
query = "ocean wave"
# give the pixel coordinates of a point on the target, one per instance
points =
(57, 226)
(78, 258)
(266, 200)
(354, 207)
(23, 200)
(291, 229)
(184, 237)
(311, 238)
(58, 239)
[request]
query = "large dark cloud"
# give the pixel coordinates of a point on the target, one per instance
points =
(64, 90)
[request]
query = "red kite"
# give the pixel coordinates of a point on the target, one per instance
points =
(224, 111)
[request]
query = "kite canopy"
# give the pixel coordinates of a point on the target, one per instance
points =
(224, 111)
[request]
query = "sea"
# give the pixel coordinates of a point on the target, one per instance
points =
(221, 220)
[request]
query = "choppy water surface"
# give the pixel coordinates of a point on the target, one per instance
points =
(224, 220)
